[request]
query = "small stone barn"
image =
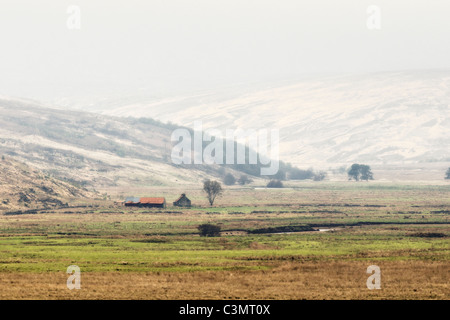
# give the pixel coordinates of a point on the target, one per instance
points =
(182, 201)
(145, 202)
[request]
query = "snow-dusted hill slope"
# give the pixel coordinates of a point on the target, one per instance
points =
(382, 118)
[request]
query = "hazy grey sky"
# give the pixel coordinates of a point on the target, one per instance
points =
(166, 46)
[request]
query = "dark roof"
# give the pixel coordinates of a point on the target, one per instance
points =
(183, 195)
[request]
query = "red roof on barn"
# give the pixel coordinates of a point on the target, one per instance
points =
(152, 200)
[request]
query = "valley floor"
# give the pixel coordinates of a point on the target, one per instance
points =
(138, 253)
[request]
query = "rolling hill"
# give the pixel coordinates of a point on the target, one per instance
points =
(388, 118)
(23, 187)
(94, 150)
(397, 122)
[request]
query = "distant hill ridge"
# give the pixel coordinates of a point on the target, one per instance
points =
(379, 118)
(96, 150)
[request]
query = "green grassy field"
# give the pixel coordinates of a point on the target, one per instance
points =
(370, 224)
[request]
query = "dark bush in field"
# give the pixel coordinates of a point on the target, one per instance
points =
(243, 180)
(229, 179)
(275, 184)
(209, 230)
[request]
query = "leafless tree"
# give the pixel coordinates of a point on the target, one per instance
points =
(212, 189)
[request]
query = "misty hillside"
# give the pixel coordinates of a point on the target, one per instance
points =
(380, 118)
(24, 187)
(89, 149)
(94, 150)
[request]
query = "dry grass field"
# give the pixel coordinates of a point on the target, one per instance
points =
(139, 253)
(286, 281)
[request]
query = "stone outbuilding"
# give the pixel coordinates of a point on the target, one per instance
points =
(182, 201)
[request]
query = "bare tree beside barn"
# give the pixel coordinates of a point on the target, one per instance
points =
(212, 190)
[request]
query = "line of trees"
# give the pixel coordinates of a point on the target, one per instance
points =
(357, 172)
(230, 180)
(364, 172)
(293, 174)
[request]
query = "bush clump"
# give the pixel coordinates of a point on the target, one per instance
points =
(275, 184)
(209, 230)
